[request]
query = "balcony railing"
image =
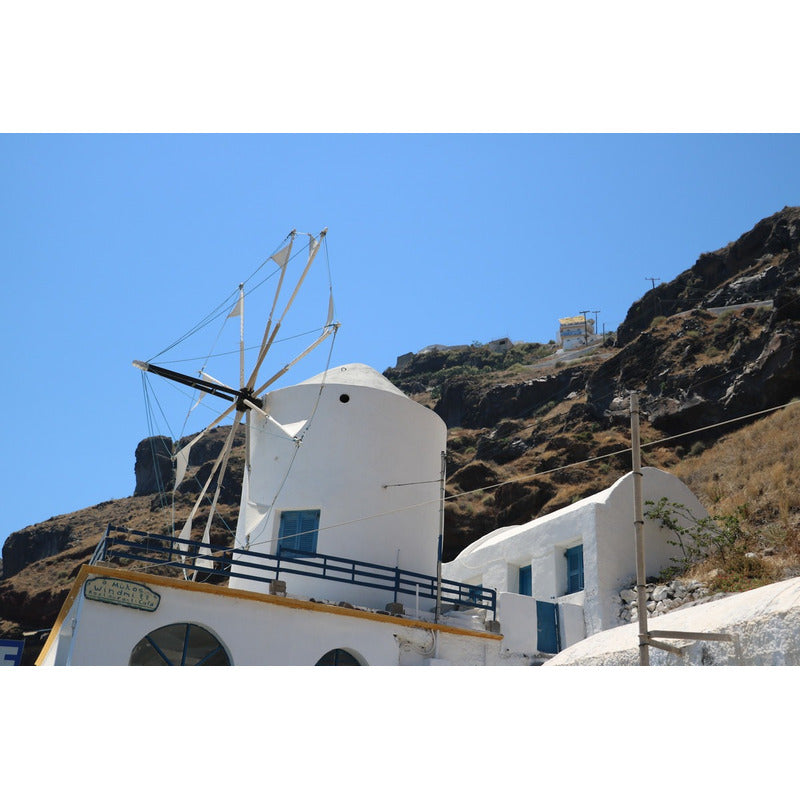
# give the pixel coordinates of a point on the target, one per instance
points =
(214, 564)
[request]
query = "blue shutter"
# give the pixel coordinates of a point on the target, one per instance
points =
(525, 586)
(298, 532)
(574, 569)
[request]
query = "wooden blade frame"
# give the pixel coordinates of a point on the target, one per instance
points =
(246, 398)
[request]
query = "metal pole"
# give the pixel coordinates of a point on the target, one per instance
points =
(585, 327)
(441, 538)
(638, 524)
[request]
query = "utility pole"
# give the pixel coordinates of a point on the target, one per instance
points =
(595, 320)
(638, 524)
(585, 327)
(647, 638)
(655, 299)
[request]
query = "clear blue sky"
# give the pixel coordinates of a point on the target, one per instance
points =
(114, 245)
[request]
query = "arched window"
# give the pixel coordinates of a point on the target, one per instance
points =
(180, 645)
(338, 658)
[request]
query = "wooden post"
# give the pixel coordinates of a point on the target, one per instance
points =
(638, 523)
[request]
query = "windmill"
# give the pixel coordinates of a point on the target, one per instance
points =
(246, 400)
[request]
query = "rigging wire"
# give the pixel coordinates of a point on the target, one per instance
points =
(222, 307)
(247, 349)
(530, 476)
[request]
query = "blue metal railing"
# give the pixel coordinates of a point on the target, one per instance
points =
(227, 562)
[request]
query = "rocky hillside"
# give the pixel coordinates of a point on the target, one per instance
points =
(530, 431)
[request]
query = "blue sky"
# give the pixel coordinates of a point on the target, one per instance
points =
(150, 160)
(114, 245)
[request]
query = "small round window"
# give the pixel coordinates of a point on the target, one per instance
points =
(344, 398)
(179, 645)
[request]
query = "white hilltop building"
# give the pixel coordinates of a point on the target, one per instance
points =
(575, 332)
(558, 577)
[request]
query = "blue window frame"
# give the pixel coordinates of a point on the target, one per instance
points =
(298, 532)
(574, 557)
(525, 585)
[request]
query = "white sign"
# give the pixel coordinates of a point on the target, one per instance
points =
(121, 593)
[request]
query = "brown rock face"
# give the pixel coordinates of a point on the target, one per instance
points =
(153, 465)
(751, 269)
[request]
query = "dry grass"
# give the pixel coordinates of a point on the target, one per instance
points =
(753, 474)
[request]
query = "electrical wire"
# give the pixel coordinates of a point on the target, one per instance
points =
(531, 476)
(519, 478)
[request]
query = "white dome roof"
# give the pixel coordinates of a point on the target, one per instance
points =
(355, 375)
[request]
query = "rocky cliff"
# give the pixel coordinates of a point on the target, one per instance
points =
(529, 432)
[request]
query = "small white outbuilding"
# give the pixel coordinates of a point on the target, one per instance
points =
(558, 577)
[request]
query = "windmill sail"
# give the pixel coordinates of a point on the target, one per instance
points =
(243, 401)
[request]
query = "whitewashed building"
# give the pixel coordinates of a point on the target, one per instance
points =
(335, 560)
(575, 332)
(558, 577)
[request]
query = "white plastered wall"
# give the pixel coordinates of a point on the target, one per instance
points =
(258, 632)
(370, 461)
(603, 523)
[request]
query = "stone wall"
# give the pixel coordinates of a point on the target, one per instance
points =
(663, 597)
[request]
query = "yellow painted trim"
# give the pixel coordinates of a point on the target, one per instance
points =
(243, 594)
(62, 614)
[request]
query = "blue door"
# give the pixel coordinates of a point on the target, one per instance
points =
(547, 638)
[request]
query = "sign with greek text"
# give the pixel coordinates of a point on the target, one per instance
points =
(121, 593)
(11, 652)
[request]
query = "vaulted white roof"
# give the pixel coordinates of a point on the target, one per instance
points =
(355, 375)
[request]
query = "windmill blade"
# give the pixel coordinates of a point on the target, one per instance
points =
(224, 456)
(312, 253)
(266, 344)
(182, 456)
(290, 432)
(262, 355)
(325, 334)
(185, 533)
(216, 380)
(281, 258)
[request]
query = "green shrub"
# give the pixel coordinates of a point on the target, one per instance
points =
(696, 538)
